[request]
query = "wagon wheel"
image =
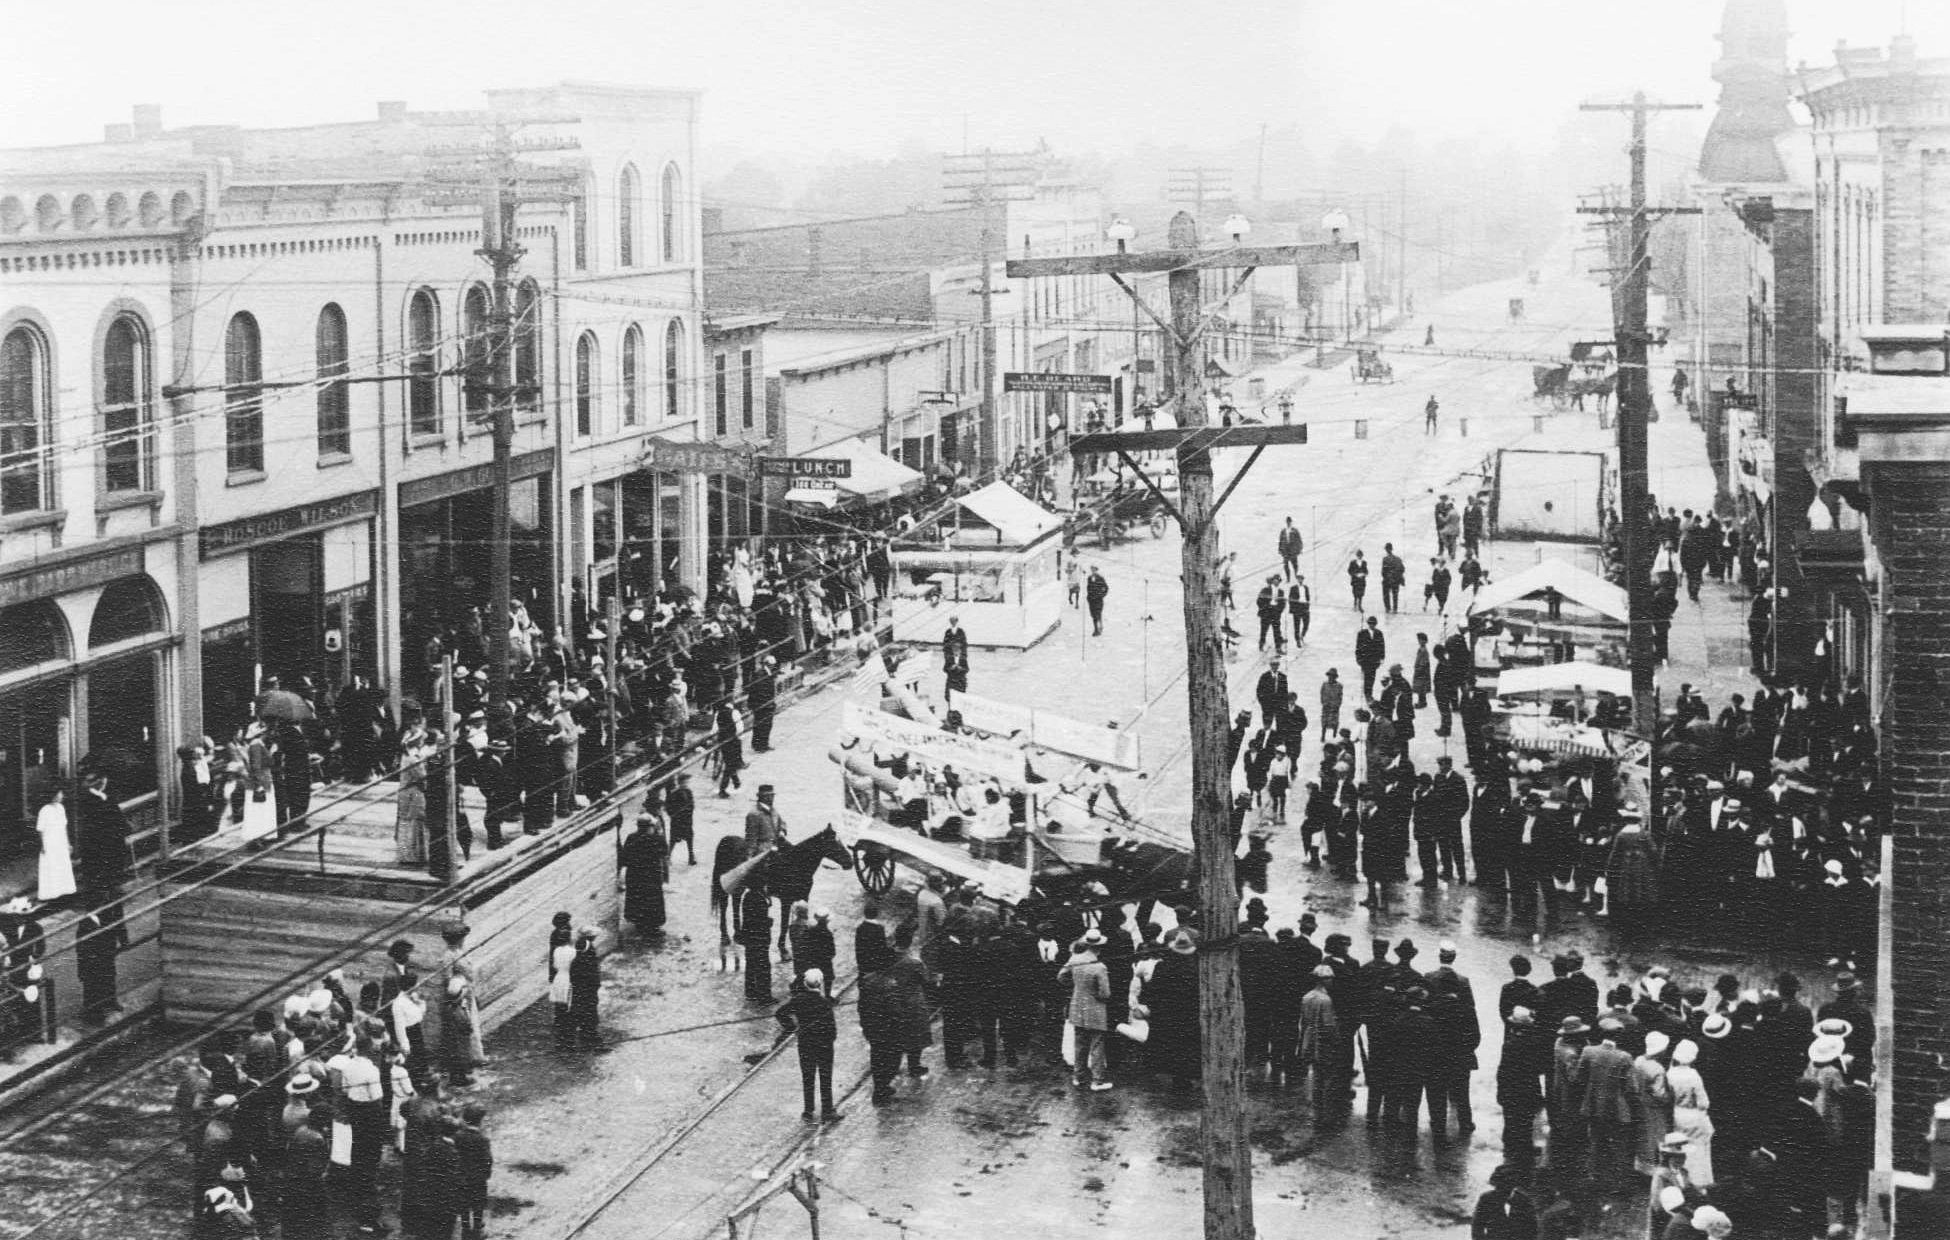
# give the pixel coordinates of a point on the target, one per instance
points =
(1157, 525)
(875, 868)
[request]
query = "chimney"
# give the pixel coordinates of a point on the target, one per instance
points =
(118, 133)
(148, 120)
(392, 109)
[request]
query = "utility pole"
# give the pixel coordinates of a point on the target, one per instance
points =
(501, 183)
(1259, 169)
(1226, 1155)
(986, 180)
(1634, 408)
(1401, 243)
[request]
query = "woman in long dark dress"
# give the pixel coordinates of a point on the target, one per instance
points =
(645, 862)
(1171, 997)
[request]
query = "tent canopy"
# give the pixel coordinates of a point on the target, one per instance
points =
(1018, 519)
(1563, 679)
(875, 474)
(1584, 589)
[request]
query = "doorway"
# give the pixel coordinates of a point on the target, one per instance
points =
(287, 594)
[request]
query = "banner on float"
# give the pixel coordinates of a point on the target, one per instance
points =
(967, 754)
(1048, 730)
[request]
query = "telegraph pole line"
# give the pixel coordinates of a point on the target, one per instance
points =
(1226, 1154)
(500, 184)
(986, 180)
(1635, 405)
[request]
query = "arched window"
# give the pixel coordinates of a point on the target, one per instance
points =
(125, 407)
(423, 363)
(674, 402)
(672, 202)
(243, 398)
(528, 347)
(632, 375)
(334, 356)
(26, 422)
(32, 633)
(627, 190)
(579, 212)
(476, 358)
(586, 371)
(129, 607)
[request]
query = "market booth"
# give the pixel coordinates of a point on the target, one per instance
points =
(993, 559)
(1548, 613)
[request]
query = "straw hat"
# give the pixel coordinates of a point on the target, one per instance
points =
(1826, 1050)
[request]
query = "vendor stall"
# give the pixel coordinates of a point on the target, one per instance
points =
(993, 560)
(1549, 613)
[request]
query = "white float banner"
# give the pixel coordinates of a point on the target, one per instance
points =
(967, 754)
(1048, 730)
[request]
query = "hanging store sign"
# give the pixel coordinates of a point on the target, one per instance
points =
(1051, 381)
(967, 754)
(804, 467)
(670, 457)
(215, 540)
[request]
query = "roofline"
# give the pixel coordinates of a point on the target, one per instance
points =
(872, 353)
(851, 219)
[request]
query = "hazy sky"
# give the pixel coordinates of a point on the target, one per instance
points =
(815, 76)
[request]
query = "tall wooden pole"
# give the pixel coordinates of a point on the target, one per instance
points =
(502, 252)
(1634, 454)
(1222, 1123)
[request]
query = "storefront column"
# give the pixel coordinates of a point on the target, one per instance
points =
(696, 542)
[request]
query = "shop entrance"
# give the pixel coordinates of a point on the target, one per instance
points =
(446, 557)
(287, 593)
(33, 762)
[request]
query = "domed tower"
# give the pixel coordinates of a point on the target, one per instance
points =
(1753, 111)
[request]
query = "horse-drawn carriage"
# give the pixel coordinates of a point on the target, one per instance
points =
(1591, 373)
(1369, 366)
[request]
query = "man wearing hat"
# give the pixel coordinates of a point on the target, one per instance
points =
(1506, 1211)
(762, 695)
(1523, 1071)
(1568, 1129)
(1603, 1079)
(1089, 1015)
(764, 825)
(1571, 992)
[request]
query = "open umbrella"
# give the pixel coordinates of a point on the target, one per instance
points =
(283, 704)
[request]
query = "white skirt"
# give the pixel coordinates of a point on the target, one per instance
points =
(260, 817)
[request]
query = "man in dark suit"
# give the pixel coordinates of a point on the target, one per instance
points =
(1603, 1080)
(762, 693)
(1571, 992)
(954, 660)
(1271, 691)
(1526, 839)
(1370, 648)
(103, 858)
(1449, 797)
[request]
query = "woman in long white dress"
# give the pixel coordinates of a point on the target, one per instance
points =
(57, 857)
(260, 791)
(1690, 1113)
(410, 813)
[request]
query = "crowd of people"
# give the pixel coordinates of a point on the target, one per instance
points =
(294, 1120)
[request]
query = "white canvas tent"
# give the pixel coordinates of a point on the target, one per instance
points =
(1577, 587)
(1018, 521)
(1563, 680)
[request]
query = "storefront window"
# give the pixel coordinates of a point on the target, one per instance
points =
(638, 560)
(31, 633)
(446, 558)
(603, 518)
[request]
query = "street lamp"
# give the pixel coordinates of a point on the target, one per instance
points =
(1123, 232)
(1334, 222)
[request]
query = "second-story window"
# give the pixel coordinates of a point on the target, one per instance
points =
(747, 382)
(126, 447)
(477, 394)
(585, 384)
(26, 422)
(632, 375)
(528, 347)
(719, 397)
(334, 397)
(423, 363)
(671, 201)
(243, 396)
(674, 404)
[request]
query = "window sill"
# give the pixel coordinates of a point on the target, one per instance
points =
(420, 440)
(244, 477)
(45, 518)
(332, 460)
(118, 500)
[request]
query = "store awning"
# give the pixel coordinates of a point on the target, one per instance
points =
(1574, 584)
(1018, 519)
(1563, 680)
(875, 474)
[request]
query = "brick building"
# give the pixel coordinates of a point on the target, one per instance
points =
(1881, 460)
(237, 437)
